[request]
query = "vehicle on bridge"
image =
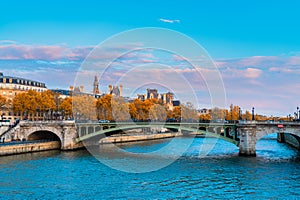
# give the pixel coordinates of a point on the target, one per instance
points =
(103, 121)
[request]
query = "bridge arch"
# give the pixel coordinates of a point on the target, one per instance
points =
(292, 133)
(48, 133)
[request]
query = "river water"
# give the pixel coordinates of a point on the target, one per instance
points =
(274, 173)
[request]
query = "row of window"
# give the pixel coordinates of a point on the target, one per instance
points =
(21, 88)
(21, 81)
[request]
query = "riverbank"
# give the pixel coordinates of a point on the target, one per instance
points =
(137, 138)
(12, 149)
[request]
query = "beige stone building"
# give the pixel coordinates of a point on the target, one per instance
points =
(11, 86)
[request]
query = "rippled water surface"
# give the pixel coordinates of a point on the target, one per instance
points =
(274, 173)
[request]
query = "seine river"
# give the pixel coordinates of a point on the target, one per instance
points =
(273, 174)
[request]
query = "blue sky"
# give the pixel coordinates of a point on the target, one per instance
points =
(227, 29)
(256, 44)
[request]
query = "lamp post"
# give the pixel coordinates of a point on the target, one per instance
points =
(253, 114)
(240, 114)
(297, 113)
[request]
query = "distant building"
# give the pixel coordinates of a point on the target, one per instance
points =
(166, 98)
(96, 86)
(204, 111)
(11, 86)
(176, 103)
(116, 90)
(77, 91)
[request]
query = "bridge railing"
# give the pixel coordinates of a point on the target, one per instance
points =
(47, 122)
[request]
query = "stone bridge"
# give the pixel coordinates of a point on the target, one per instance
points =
(72, 136)
(63, 131)
(251, 132)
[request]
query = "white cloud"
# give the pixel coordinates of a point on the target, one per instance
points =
(252, 73)
(171, 21)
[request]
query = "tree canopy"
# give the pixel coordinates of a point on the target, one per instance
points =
(2, 101)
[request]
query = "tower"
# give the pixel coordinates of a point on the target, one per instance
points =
(110, 88)
(121, 90)
(96, 86)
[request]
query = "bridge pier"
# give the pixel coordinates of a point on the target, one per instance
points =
(247, 141)
(280, 137)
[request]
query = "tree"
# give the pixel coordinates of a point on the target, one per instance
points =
(233, 113)
(84, 107)
(33, 104)
(66, 107)
(2, 101)
(158, 112)
(104, 107)
(217, 114)
(26, 104)
(120, 109)
(247, 115)
(205, 117)
(140, 109)
(46, 102)
(188, 112)
(176, 113)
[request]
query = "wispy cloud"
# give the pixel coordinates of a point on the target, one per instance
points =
(43, 52)
(171, 21)
(7, 42)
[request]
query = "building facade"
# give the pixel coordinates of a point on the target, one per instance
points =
(166, 98)
(11, 86)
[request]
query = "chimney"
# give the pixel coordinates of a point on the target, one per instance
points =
(81, 88)
(121, 90)
(165, 98)
(110, 88)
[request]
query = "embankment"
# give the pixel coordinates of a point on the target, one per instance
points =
(136, 138)
(28, 147)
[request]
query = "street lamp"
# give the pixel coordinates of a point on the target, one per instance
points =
(297, 113)
(253, 114)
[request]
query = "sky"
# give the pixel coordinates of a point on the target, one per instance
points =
(254, 44)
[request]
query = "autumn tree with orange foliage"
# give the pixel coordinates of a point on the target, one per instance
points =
(66, 107)
(233, 113)
(104, 107)
(33, 104)
(84, 107)
(120, 109)
(2, 101)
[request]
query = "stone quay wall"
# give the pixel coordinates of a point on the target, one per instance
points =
(136, 138)
(28, 148)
